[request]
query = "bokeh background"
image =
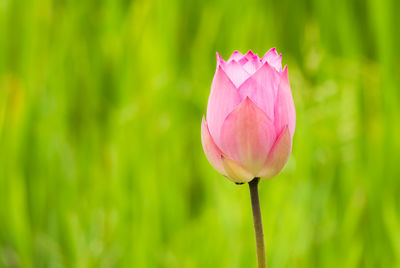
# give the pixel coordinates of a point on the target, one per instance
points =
(101, 163)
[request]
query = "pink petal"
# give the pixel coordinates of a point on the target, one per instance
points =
(278, 156)
(247, 136)
(249, 55)
(220, 61)
(236, 172)
(233, 69)
(273, 59)
(252, 65)
(236, 72)
(224, 97)
(261, 87)
(235, 56)
(285, 113)
(243, 61)
(212, 152)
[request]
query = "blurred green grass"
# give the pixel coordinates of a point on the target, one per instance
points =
(101, 162)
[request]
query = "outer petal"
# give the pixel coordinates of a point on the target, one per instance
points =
(235, 172)
(236, 72)
(212, 152)
(247, 136)
(261, 87)
(273, 59)
(220, 61)
(224, 97)
(278, 156)
(285, 113)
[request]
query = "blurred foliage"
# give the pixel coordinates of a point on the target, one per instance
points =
(101, 163)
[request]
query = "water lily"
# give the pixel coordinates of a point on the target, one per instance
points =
(250, 124)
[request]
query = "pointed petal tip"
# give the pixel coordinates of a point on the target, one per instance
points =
(273, 58)
(265, 66)
(273, 50)
(236, 55)
(219, 59)
(220, 69)
(248, 101)
(249, 53)
(285, 72)
(221, 72)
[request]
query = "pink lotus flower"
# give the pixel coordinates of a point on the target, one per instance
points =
(250, 117)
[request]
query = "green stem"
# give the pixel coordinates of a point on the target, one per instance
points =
(258, 229)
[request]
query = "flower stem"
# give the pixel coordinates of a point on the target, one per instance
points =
(258, 229)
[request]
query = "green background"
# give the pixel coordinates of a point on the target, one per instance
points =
(101, 163)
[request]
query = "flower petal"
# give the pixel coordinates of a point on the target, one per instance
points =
(252, 65)
(278, 156)
(243, 61)
(220, 60)
(212, 152)
(273, 59)
(247, 136)
(236, 72)
(261, 87)
(249, 55)
(235, 172)
(233, 69)
(285, 113)
(224, 97)
(236, 55)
